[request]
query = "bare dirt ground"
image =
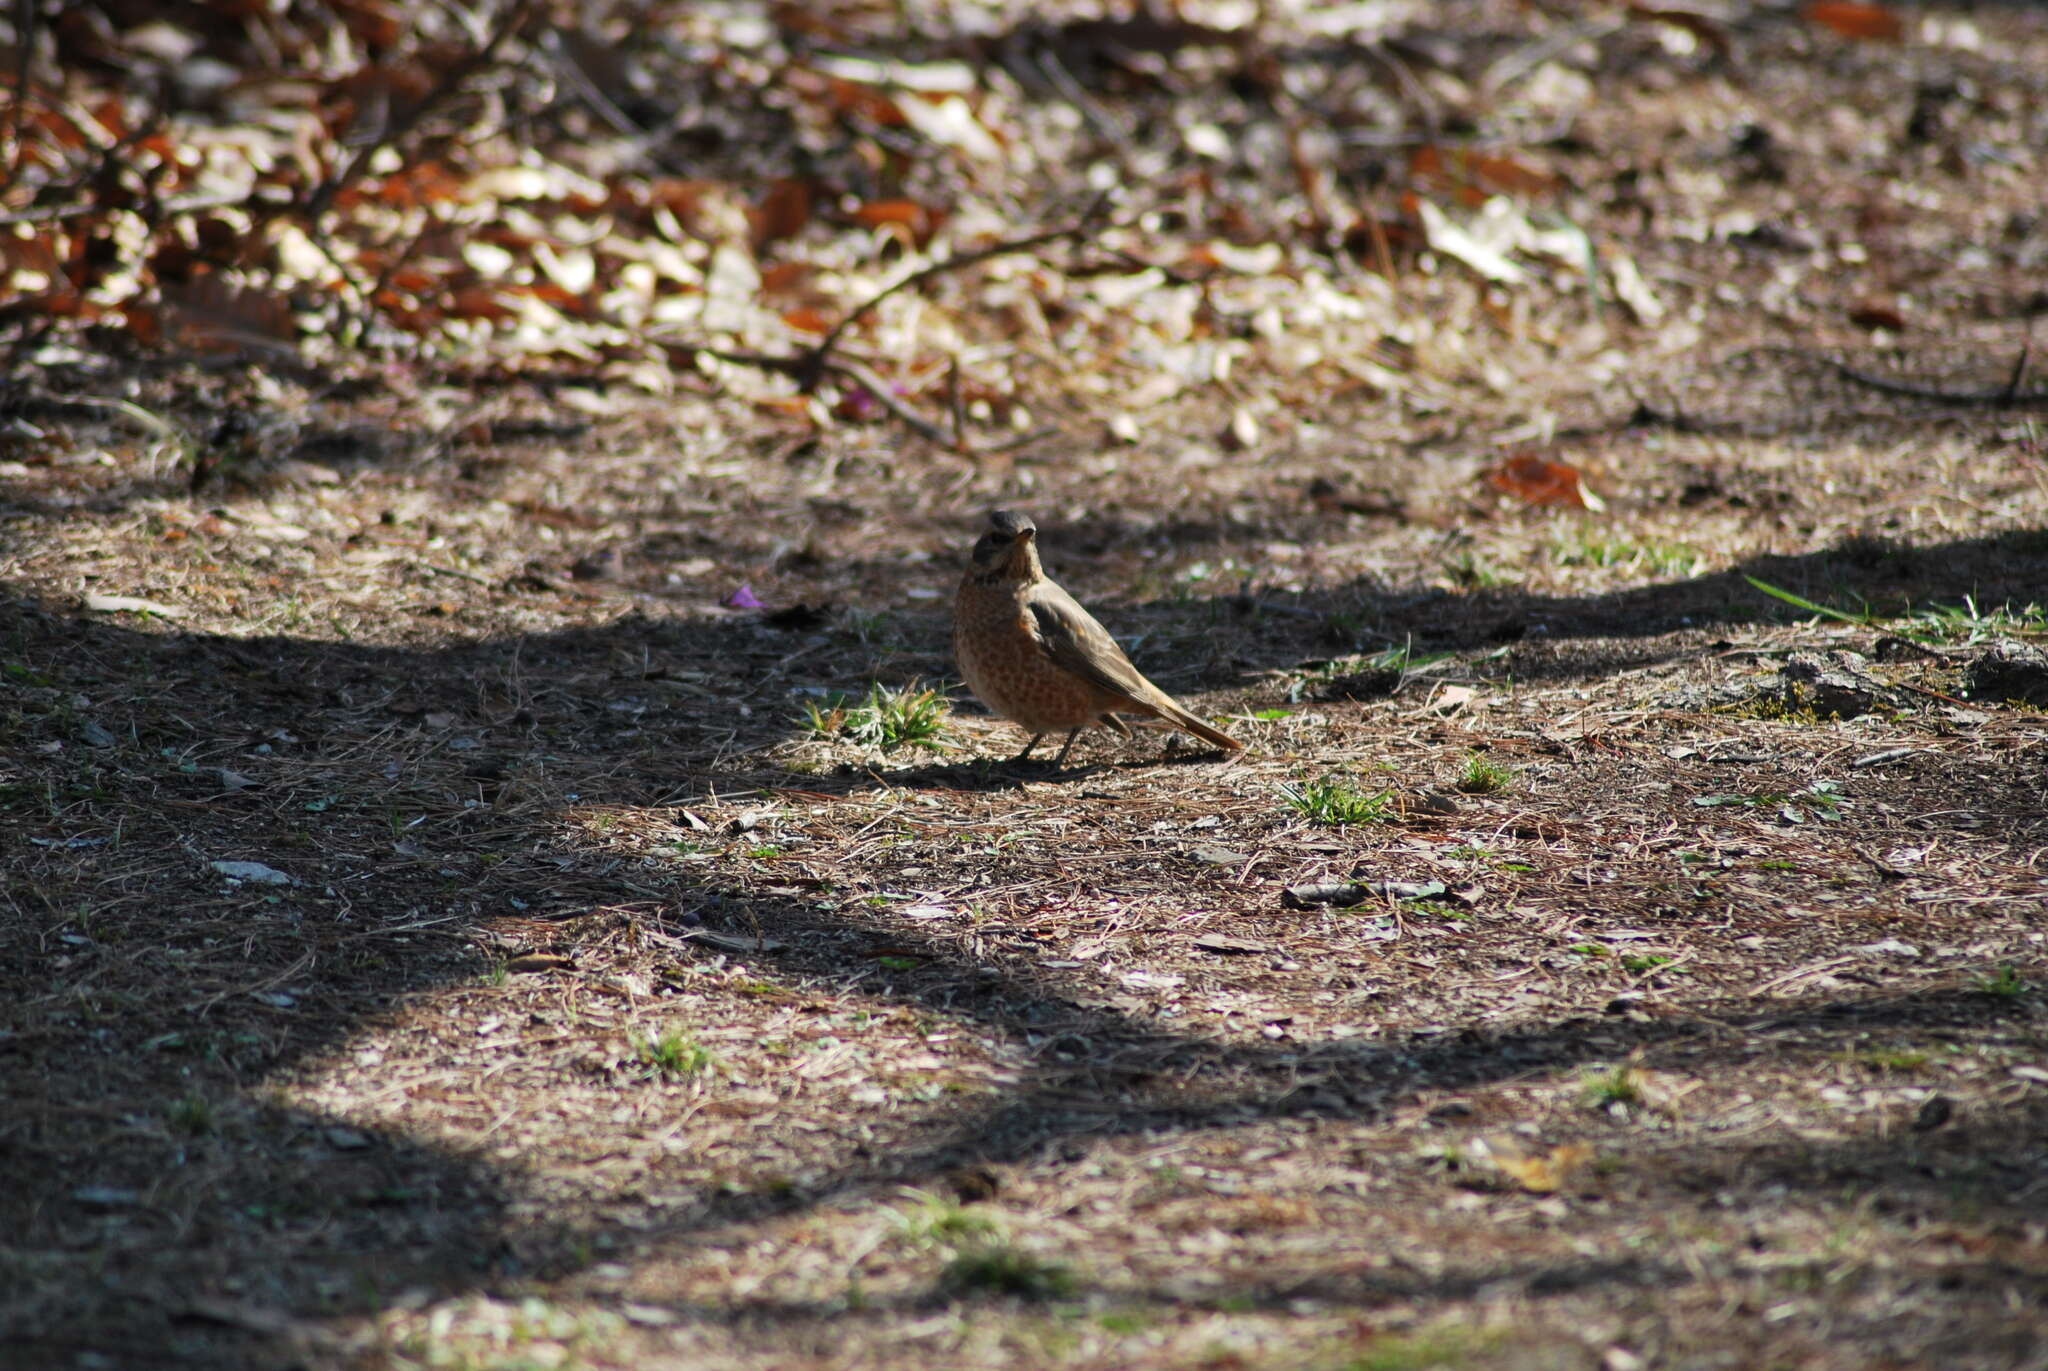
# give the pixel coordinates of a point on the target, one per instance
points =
(435, 935)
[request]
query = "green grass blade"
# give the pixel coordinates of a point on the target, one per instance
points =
(1801, 602)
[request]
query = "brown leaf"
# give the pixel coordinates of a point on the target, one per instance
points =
(1541, 482)
(213, 314)
(379, 25)
(805, 319)
(1877, 314)
(428, 183)
(680, 198)
(145, 325)
(1544, 1173)
(1476, 175)
(539, 961)
(917, 222)
(851, 97)
(1698, 25)
(782, 212)
(477, 302)
(1224, 944)
(1852, 19)
(780, 278)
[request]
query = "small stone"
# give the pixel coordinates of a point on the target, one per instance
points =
(252, 871)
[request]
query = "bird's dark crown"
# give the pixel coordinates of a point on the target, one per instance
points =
(1007, 531)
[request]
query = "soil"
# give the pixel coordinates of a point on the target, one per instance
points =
(435, 934)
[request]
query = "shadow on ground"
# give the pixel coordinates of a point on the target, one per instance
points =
(167, 1211)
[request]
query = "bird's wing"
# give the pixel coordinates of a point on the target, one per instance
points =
(1077, 644)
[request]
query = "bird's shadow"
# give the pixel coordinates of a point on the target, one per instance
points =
(993, 774)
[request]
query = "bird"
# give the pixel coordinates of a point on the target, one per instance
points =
(1032, 654)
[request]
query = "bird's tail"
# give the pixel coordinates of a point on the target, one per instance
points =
(1180, 718)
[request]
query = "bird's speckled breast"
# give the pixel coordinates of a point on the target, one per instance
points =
(995, 641)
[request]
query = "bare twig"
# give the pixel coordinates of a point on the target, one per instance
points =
(408, 118)
(170, 209)
(888, 399)
(2019, 369)
(955, 405)
(811, 366)
(110, 164)
(852, 371)
(2007, 394)
(26, 20)
(815, 362)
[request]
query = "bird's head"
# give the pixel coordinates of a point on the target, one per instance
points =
(1009, 548)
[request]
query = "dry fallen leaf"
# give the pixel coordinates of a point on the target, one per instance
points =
(781, 213)
(1542, 482)
(1856, 20)
(1539, 1173)
(117, 604)
(1453, 240)
(1451, 699)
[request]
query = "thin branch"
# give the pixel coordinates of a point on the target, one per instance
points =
(811, 366)
(887, 399)
(816, 361)
(2019, 369)
(171, 209)
(2007, 394)
(406, 120)
(852, 371)
(27, 19)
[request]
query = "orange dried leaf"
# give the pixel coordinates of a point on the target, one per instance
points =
(678, 197)
(548, 293)
(63, 304)
(781, 277)
(782, 212)
(1542, 482)
(111, 118)
(1506, 174)
(378, 26)
(877, 212)
(477, 302)
(850, 97)
(807, 320)
(429, 183)
(790, 406)
(60, 129)
(145, 326)
(1852, 19)
(1544, 1175)
(1472, 176)
(414, 280)
(919, 222)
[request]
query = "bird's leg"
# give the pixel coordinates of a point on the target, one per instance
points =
(1061, 760)
(1027, 749)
